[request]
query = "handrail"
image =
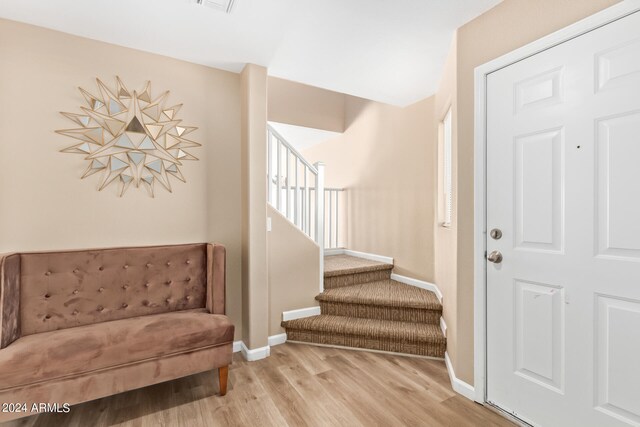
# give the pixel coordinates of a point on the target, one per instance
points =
(295, 152)
(296, 189)
(293, 185)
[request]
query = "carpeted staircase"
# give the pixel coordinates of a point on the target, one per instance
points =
(362, 307)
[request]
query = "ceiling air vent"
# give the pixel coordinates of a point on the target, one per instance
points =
(221, 5)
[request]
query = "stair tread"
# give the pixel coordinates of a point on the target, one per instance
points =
(387, 293)
(340, 265)
(371, 328)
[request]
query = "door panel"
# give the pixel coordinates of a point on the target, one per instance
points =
(538, 91)
(618, 172)
(617, 65)
(539, 334)
(563, 185)
(538, 195)
(617, 347)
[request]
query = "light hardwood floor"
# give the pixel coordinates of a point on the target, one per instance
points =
(299, 385)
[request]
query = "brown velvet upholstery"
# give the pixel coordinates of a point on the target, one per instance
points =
(67, 289)
(105, 382)
(109, 320)
(217, 278)
(9, 299)
(87, 348)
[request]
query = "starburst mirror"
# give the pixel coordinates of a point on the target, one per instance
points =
(130, 137)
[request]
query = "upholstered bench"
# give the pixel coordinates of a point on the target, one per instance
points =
(80, 325)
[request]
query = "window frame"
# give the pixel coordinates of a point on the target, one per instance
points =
(446, 169)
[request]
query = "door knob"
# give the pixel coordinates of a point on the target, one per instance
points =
(495, 257)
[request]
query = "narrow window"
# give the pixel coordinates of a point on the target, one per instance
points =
(447, 186)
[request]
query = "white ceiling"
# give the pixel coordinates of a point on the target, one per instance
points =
(386, 50)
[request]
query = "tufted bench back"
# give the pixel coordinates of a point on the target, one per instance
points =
(60, 290)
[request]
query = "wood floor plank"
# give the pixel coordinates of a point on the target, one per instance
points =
(333, 411)
(313, 361)
(288, 401)
(299, 385)
(439, 389)
(418, 408)
(393, 399)
(468, 411)
(363, 406)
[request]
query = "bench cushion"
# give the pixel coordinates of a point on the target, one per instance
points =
(68, 352)
(67, 289)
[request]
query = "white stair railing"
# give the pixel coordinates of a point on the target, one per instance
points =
(335, 217)
(294, 186)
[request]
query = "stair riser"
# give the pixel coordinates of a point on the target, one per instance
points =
(434, 349)
(356, 279)
(400, 314)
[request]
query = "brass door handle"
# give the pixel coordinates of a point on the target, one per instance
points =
(495, 257)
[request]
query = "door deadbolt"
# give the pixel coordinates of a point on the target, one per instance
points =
(496, 234)
(495, 257)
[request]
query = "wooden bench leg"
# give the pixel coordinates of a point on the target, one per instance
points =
(223, 375)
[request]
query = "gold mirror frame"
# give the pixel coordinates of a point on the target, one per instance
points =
(130, 137)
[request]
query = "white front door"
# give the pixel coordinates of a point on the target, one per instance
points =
(563, 187)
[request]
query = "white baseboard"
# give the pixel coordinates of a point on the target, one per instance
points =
(443, 326)
(261, 352)
(364, 255)
(334, 251)
(418, 283)
(458, 385)
(277, 339)
(251, 355)
(300, 313)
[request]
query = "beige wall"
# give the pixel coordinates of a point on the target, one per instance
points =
(386, 157)
(255, 296)
(386, 160)
(45, 204)
(298, 104)
(294, 269)
(511, 24)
